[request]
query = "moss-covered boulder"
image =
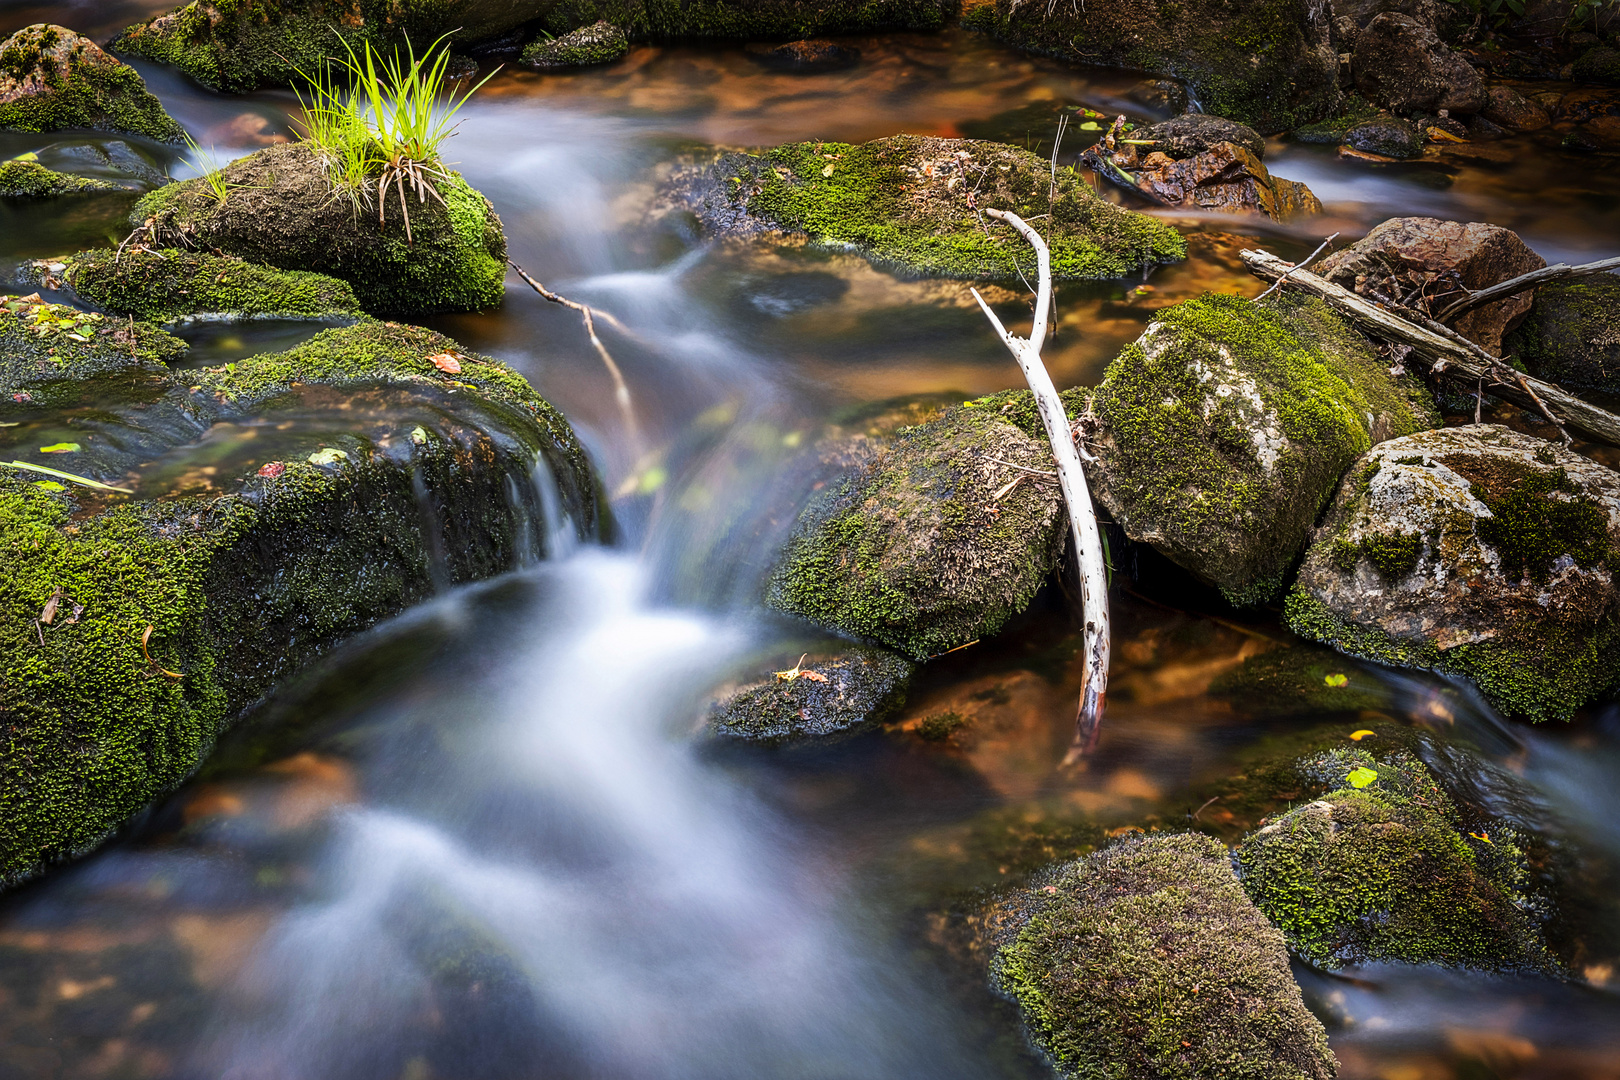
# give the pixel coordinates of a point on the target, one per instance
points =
(599, 43)
(778, 20)
(1267, 64)
(240, 45)
(936, 539)
(917, 204)
(162, 286)
(1146, 961)
(1223, 430)
(136, 626)
(51, 79)
(31, 180)
(1384, 868)
(825, 693)
(51, 354)
(281, 210)
(1478, 552)
(1572, 333)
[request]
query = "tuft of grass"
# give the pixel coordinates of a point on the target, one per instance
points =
(213, 170)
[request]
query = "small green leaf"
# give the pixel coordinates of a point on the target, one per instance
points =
(1090, 125)
(419, 435)
(1335, 679)
(1360, 778)
(60, 448)
(328, 456)
(49, 485)
(30, 156)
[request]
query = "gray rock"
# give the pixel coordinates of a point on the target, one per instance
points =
(835, 693)
(1195, 133)
(1479, 552)
(1402, 65)
(1389, 138)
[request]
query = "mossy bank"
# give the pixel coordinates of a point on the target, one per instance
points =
(51, 79)
(281, 210)
(916, 204)
(136, 628)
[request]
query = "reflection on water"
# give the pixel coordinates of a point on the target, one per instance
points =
(476, 842)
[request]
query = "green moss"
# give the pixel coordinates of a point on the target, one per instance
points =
(51, 354)
(1572, 334)
(1354, 111)
(1188, 470)
(31, 180)
(1385, 873)
(1255, 62)
(908, 551)
(600, 43)
(1146, 960)
(846, 691)
(766, 19)
(940, 726)
(1600, 65)
(51, 79)
(281, 212)
(1530, 525)
(1017, 407)
(905, 202)
(1395, 554)
(173, 284)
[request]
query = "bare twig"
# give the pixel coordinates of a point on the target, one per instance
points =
(1444, 354)
(1514, 286)
(1072, 479)
(1302, 264)
(621, 390)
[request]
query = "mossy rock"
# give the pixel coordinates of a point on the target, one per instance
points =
(1476, 552)
(1386, 872)
(241, 45)
(31, 180)
(173, 611)
(599, 43)
(1600, 65)
(163, 286)
(51, 79)
(53, 354)
(916, 203)
(1223, 430)
(911, 549)
(833, 693)
(1572, 334)
(281, 210)
(1267, 64)
(1353, 110)
(1146, 961)
(771, 20)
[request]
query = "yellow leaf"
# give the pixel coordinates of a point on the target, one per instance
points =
(1362, 734)
(1335, 679)
(827, 170)
(1484, 837)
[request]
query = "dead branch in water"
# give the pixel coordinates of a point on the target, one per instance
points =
(621, 390)
(1445, 354)
(1514, 286)
(1072, 479)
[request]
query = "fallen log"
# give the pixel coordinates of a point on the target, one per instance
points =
(1072, 479)
(1445, 355)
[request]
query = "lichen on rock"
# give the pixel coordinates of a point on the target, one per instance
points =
(162, 286)
(599, 43)
(240, 588)
(1146, 961)
(916, 204)
(31, 180)
(827, 693)
(1222, 432)
(1387, 871)
(51, 79)
(1268, 64)
(280, 210)
(1477, 552)
(935, 540)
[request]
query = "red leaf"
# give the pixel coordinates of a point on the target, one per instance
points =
(447, 362)
(273, 469)
(22, 396)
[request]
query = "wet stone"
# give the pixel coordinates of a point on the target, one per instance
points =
(1402, 65)
(599, 43)
(1387, 138)
(805, 57)
(823, 694)
(1195, 133)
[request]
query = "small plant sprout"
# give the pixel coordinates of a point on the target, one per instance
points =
(210, 168)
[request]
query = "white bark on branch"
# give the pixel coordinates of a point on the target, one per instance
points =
(1077, 497)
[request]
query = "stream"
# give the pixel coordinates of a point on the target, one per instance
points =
(478, 841)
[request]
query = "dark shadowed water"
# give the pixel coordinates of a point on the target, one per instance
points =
(477, 843)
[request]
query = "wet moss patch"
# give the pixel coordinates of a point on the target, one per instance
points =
(51, 79)
(31, 180)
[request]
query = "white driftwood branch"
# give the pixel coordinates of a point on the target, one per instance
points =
(1072, 479)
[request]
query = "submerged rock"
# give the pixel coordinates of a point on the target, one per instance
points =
(935, 540)
(806, 57)
(1478, 552)
(599, 43)
(1436, 261)
(162, 286)
(1267, 64)
(1222, 432)
(236, 47)
(31, 180)
(51, 79)
(1382, 868)
(282, 209)
(830, 693)
(136, 628)
(1401, 64)
(916, 203)
(1146, 960)
(1572, 334)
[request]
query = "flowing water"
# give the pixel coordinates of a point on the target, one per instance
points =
(478, 840)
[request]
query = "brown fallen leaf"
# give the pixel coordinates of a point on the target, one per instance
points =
(272, 469)
(447, 362)
(161, 670)
(813, 676)
(48, 616)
